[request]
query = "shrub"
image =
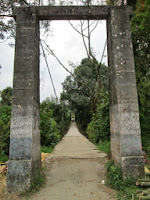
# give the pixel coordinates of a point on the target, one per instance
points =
(5, 115)
(104, 146)
(99, 128)
(45, 149)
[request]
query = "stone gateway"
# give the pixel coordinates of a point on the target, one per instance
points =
(126, 149)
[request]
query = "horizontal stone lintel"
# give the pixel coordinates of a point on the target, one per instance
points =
(73, 12)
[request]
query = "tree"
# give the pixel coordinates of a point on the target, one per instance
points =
(50, 134)
(77, 94)
(51, 122)
(6, 96)
(124, 2)
(7, 23)
(141, 44)
(99, 127)
(5, 115)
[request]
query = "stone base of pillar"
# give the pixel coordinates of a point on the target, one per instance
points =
(133, 166)
(21, 170)
(20, 175)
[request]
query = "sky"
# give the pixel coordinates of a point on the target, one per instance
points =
(67, 44)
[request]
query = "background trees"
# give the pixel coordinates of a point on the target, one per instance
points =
(80, 92)
(5, 115)
(52, 124)
(141, 44)
(6, 96)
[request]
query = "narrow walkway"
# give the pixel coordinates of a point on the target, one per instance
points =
(75, 171)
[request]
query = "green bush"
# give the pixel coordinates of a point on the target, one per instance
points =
(46, 149)
(50, 135)
(3, 157)
(104, 146)
(5, 115)
(99, 128)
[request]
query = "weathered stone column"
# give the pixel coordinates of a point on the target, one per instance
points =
(126, 148)
(24, 155)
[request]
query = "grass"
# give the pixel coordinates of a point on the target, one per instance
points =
(46, 149)
(124, 187)
(104, 146)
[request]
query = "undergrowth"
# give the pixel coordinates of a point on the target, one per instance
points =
(46, 149)
(104, 146)
(3, 157)
(38, 182)
(124, 187)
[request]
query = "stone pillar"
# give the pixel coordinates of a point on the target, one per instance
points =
(126, 148)
(24, 155)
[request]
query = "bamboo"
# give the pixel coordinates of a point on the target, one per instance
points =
(144, 197)
(144, 193)
(139, 191)
(133, 197)
(143, 180)
(144, 184)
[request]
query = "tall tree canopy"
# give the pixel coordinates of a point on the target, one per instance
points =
(80, 91)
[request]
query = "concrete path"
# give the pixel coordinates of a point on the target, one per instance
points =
(75, 171)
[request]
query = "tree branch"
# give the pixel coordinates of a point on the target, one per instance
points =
(90, 25)
(4, 40)
(6, 16)
(53, 54)
(84, 39)
(94, 27)
(79, 80)
(26, 2)
(76, 29)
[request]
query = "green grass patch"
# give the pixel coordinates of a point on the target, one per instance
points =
(3, 157)
(124, 187)
(46, 149)
(104, 146)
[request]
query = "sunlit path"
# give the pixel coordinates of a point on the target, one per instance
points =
(75, 171)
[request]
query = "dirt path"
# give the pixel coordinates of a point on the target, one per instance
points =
(75, 171)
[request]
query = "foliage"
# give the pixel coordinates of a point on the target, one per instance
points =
(5, 115)
(125, 187)
(141, 44)
(6, 96)
(50, 134)
(77, 94)
(50, 123)
(79, 91)
(46, 149)
(99, 128)
(3, 157)
(115, 2)
(104, 146)
(7, 23)
(54, 121)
